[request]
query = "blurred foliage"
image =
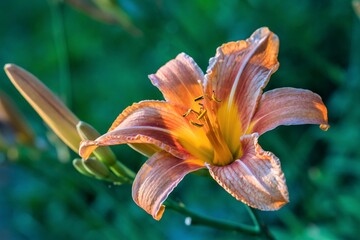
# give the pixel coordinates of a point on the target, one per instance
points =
(100, 67)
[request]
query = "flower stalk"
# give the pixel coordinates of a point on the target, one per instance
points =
(194, 219)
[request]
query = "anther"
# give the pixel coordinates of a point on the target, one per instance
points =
(202, 114)
(199, 98)
(187, 113)
(213, 97)
(196, 124)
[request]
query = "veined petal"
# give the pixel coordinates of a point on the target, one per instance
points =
(239, 72)
(183, 134)
(288, 106)
(146, 122)
(157, 178)
(256, 179)
(178, 80)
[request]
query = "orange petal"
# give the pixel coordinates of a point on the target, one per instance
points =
(240, 70)
(256, 179)
(178, 80)
(157, 178)
(147, 122)
(288, 106)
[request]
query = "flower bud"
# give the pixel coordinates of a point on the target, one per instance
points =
(55, 114)
(13, 123)
(78, 165)
(88, 132)
(104, 154)
(96, 168)
(100, 170)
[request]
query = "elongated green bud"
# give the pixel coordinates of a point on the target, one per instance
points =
(100, 171)
(95, 167)
(79, 166)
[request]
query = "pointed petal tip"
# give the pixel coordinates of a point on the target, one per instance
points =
(276, 204)
(181, 55)
(324, 127)
(8, 66)
(158, 215)
(262, 32)
(86, 148)
(10, 69)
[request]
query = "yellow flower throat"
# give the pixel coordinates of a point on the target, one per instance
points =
(221, 153)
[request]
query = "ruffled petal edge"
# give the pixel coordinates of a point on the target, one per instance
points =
(256, 178)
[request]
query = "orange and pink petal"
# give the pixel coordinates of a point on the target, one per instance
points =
(240, 70)
(147, 122)
(178, 80)
(157, 178)
(288, 106)
(255, 179)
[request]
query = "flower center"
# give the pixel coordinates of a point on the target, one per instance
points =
(208, 122)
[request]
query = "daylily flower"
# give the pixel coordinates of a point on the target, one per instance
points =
(213, 121)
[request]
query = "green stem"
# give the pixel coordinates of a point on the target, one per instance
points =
(56, 8)
(253, 216)
(196, 219)
(262, 228)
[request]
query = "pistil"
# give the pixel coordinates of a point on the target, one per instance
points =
(222, 154)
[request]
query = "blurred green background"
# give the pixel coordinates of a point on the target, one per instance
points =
(97, 57)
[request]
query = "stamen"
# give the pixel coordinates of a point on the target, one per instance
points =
(221, 152)
(199, 98)
(202, 111)
(202, 114)
(213, 97)
(196, 124)
(189, 111)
